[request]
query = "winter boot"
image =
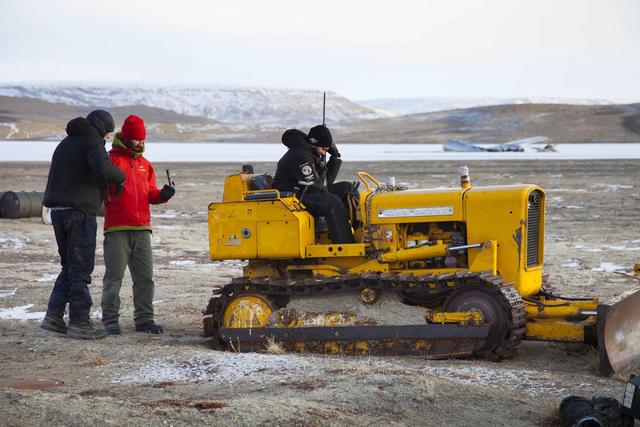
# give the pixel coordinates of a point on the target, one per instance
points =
(150, 327)
(112, 328)
(85, 331)
(54, 323)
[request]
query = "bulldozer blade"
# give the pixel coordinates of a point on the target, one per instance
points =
(619, 333)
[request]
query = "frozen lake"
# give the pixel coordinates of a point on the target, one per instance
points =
(269, 152)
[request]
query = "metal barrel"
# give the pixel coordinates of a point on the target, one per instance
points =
(21, 204)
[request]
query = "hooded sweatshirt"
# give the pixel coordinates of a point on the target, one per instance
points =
(130, 209)
(80, 170)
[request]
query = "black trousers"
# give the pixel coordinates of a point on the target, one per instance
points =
(332, 208)
(75, 233)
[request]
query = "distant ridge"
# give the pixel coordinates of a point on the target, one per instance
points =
(29, 118)
(403, 106)
(248, 107)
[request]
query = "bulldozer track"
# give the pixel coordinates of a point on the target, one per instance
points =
(428, 287)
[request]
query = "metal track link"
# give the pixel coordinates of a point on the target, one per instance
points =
(425, 286)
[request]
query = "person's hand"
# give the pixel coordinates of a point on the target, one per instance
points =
(119, 189)
(167, 192)
(333, 150)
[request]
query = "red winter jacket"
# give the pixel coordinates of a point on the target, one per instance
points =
(130, 210)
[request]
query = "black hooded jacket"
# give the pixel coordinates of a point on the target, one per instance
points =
(80, 169)
(301, 166)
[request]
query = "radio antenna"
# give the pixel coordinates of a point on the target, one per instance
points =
(324, 103)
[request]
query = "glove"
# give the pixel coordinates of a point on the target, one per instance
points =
(167, 192)
(333, 150)
(119, 189)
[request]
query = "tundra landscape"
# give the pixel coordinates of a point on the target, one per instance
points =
(177, 379)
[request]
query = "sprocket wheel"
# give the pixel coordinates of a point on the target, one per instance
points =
(493, 310)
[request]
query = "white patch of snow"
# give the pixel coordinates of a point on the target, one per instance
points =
(169, 227)
(171, 213)
(220, 368)
(21, 313)
(49, 277)
(567, 190)
(509, 379)
(574, 207)
(13, 129)
(608, 267)
(573, 263)
(13, 242)
(4, 294)
(160, 301)
(183, 262)
(97, 314)
(611, 187)
(588, 249)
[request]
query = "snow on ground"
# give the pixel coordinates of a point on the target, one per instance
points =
(13, 242)
(566, 190)
(21, 313)
(224, 368)
(614, 248)
(49, 277)
(268, 152)
(170, 214)
(608, 267)
(4, 294)
(230, 368)
(517, 380)
(611, 187)
(574, 263)
(183, 262)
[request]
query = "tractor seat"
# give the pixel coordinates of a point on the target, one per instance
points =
(262, 182)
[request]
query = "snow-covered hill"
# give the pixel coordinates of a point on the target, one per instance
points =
(402, 106)
(239, 106)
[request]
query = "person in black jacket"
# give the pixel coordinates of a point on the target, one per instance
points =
(302, 170)
(79, 174)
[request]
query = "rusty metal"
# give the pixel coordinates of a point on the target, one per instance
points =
(618, 333)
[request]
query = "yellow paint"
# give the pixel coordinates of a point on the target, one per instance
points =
(484, 258)
(335, 250)
(558, 309)
(410, 254)
(557, 330)
(500, 213)
(460, 317)
(246, 311)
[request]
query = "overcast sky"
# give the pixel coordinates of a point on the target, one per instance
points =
(359, 49)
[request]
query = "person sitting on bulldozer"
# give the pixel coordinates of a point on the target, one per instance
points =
(302, 170)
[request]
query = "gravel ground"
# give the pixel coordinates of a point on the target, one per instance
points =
(175, 379)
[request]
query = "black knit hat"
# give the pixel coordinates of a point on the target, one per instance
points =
(292, 137)
(320, 136)
(102, 121)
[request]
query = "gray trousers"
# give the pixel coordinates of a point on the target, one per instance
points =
(133, 249)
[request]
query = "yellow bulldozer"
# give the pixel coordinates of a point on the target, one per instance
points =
(445, 272)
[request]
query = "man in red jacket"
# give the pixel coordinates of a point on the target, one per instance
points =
(127, 230)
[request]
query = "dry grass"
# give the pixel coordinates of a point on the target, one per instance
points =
(177, 403)
(189, 310)
(551, 415)
(273, 347)
(95, 361)
(427, 388)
